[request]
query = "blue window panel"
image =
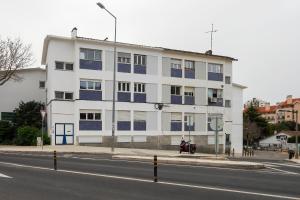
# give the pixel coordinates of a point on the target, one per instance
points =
(176, 126)
(90, 64)
(139, 125)
(218, 103)
(189, 100)
(123, 125)
(176, 73)
(189, 73)
(175, 99)
(91, 95)
(186, 127)
(124, 96)
(215, 76)
(126, 68)
(140, 69)
(90, 125)
(140, 97)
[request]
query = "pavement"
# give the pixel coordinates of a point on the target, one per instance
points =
(30, 175)
(164, 156)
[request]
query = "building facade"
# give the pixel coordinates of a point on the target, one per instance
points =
(31, 86)
(161, 95)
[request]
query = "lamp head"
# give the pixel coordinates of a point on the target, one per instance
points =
(100, 5)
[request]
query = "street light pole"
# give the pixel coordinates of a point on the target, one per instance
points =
(114, 78)
(297, 147)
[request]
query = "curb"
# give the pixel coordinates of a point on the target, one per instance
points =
(165, 160)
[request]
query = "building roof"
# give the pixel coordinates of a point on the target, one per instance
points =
(239, 85)
(290, 133)
(285, 104)
(52, 37)
(266, 110)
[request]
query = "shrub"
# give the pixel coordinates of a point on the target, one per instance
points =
(7, 132)
(26, 136)
(46, 138)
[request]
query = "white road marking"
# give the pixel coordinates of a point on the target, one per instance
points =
(284, 171)
(160, 182)
(4, 176)
(282, 164)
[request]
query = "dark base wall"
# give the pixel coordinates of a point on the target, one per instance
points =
(159, 142)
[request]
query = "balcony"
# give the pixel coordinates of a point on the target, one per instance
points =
(140, 69)
(124, 96)
(140, 97)
(189, 73)
(215, 76)
(90, 64)
(90, 95)
(176, 73)
(215, 101)
(85, 125)
(125, 68)
(139, 125)
(189, 128)
(176, 99)
(189, 100)
(176, 126)
(123, 125)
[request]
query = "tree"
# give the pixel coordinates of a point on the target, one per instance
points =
(26, 136)
(7, 132)
(14, 55)
(28, 114)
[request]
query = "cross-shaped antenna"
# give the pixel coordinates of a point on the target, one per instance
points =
(211, 35)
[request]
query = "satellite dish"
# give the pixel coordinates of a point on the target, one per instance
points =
(214, 126)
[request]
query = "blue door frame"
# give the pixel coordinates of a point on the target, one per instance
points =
(64, 142)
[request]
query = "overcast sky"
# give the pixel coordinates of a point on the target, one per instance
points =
(264, 35)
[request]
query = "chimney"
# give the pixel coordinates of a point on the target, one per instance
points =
(289, 99)
(74, 32)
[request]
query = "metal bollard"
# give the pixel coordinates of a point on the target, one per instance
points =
(55, 160)
(233, 152)
(155, 168)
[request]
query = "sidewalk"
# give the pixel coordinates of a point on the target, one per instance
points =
(164, 156)
(295, 160)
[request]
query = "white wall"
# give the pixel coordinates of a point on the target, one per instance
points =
(13, 92)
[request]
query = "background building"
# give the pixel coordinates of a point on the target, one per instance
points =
(31, 86)
(188, 85)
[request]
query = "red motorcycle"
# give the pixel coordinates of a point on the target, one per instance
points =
(187, 147)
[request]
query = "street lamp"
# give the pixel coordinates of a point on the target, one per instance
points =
(114, 78)
(294, 112)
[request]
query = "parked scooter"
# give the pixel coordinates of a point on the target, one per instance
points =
(187, 147)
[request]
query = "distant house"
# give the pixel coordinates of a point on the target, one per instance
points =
(279, 140)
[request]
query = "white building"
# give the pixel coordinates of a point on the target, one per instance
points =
(31, 86)
(79, 95)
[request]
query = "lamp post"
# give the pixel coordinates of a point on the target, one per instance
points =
(294, 112)
(114, 78)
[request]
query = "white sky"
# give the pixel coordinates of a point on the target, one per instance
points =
(263, 34)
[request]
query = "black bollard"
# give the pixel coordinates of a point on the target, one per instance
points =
(233, 152)
(155, 168)
(55, 160)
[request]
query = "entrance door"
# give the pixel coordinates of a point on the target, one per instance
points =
(64, 134)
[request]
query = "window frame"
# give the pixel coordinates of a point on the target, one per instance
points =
(86, 113)
(226, 79)
(189, 67)
(84, 52)
(64, 95)
(141, 89)
(123, 86)
(140, 59)
(87, 84)
(176, 90)
(64, 64)
(215, 68)
(44, 82)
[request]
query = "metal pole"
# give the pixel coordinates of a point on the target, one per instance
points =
(42, 133)
(216, 139)
(55, 160)
(114, 89)
(189, 135)
(155, 168)
(211, 36)
(297, 147)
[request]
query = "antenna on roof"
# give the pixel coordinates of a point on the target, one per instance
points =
(211, 36)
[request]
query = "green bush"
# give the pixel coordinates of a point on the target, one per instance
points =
(7, 132)
(26, 136)
(293, 139)
(46, 138)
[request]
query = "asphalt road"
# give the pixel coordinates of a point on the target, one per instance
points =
(100, 177)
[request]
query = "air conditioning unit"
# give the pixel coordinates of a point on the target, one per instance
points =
(214, 100)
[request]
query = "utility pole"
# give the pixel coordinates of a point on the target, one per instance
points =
(297, 146)
(211, 35)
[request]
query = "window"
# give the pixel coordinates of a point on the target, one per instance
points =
(42, 84)
(139, 116)
(215, 68)
(124, 58)
(59, 65)
(227, 103)
(215, 93)
(227, 80)
(90, 85)
(123, 87)
(63, 95)
(188, 117)
(176, 117)
(189, 64)
(139, 87)
(91, 116)
(175, 90)
(63, 66)
(175, 63)
(139, 59)
(189, 91)
(90, 54)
